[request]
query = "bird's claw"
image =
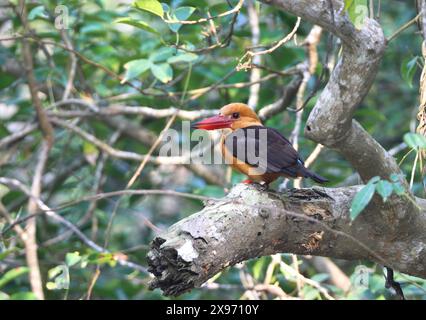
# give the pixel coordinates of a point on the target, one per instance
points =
(261, 186)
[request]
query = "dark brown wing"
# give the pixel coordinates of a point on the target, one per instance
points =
(281, 157)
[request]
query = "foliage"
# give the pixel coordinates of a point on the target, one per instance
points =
(383, 187)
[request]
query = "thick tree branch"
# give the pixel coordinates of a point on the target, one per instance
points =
(250, 223)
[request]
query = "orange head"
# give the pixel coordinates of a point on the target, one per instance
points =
(233, 116)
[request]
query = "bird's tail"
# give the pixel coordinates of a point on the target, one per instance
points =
(316, 177)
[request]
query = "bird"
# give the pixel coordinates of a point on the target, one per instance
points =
(275, 154)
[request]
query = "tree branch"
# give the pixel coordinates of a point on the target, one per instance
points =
(250, 223)
(48, 139)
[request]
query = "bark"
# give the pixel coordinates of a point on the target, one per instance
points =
(250, 223)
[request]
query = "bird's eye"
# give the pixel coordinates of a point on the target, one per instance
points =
(235, 115)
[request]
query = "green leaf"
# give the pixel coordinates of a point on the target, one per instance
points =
(60, 276)
(408, 69)
(162, 54)
(12, 274)
(102, 258)
(162, 72)
(384, 188)
(310, 293)
(3, 190)
(37, 12)
(152, 6)
(348, 3)
(72, 258)
(183, 13)
(415, 140)
(90, 152)
(93, 29)
(23, 296)
(180, 14)
(135, 68)
(258, 268)
(166, 8)
(51, 285)
(183, 57)
(320, 277)
(138, 24)
(357, 11)
(361, 200)
(6, 253)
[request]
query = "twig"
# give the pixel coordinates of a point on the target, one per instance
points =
(308, 69)
(371, 7)
(92, 282)
(52, 214)
(276, 258)
(45, 125)
(73, 66)
(272, 289)
(18, 229)
(7, 141)
(288, 94)
(31, 227)
(413, 170)
(378, 12)
(200, 92)
(95, 64)
(314, 155)
(308, 281)
(120, 154)
(243, 65)
(248, 283)
(223, 44)
(48, 138)
(151, 150)
(213, 30)
(337, 276)
(135, 176)
(299, 281)
(398, 148)
(13, 183)
(95, 189)
(114, 110)
(404, 26)
(129, 184)
(253, 18)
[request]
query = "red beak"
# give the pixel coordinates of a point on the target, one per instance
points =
(213, 123)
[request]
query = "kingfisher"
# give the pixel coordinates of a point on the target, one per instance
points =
(274, 155)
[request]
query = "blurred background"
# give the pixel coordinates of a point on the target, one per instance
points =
(95, 63)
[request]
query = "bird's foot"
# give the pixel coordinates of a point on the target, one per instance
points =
(261, 186)
(264, 186)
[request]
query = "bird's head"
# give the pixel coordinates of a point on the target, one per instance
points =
(233, 116)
